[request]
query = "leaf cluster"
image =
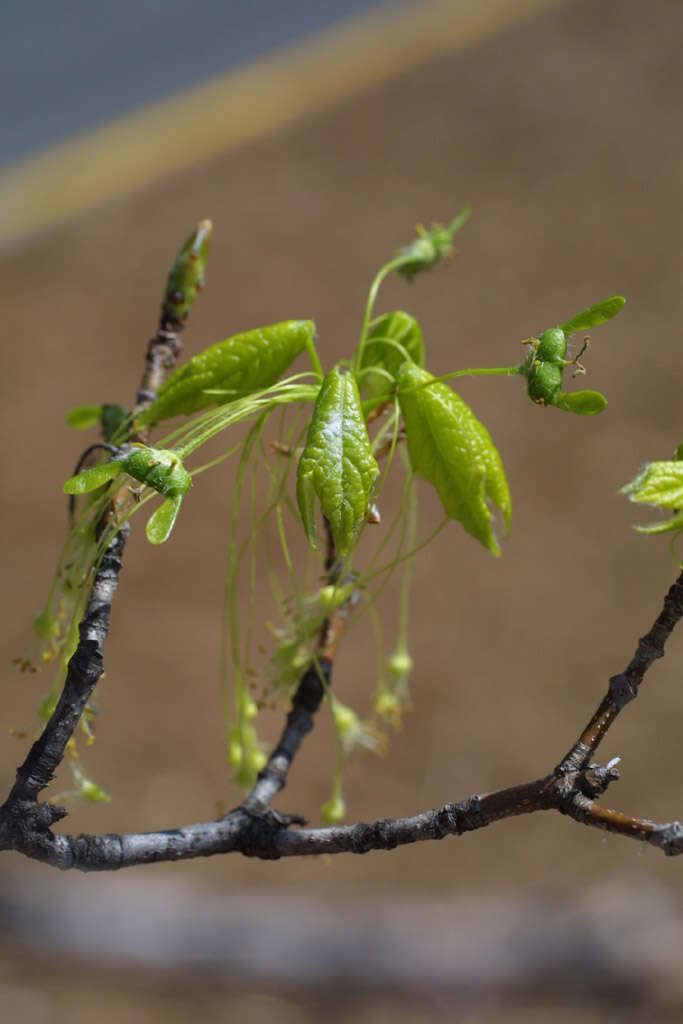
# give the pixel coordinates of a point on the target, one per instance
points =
(349, 423)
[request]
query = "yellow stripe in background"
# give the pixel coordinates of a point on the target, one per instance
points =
(240, 106)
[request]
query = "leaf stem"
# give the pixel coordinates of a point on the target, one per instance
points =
(372, 296)
(315, 359)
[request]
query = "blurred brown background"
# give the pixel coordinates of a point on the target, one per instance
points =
(563, 132)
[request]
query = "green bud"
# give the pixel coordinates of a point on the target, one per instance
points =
(400, 664)
(430, 247)
(387, 705)
(334, 810)
(345, 718)
(544, 381)
(158, 468)
(329, 598)
(187, 276)
(234, 752)
(93, 793)
(552, 346)
(46, 626)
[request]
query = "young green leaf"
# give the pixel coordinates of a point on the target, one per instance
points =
(91, 479)
(82, 417)
(600, 313)
(161, 522)
(392, 338)
(337, 465)
(450, 448)
(663, 525)
(585, 403)
(241, 364)
(660, 483)
(158, 468)
(109, 416)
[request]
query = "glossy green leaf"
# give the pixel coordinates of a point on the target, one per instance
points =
(187, 276)
(82, 417)
(161, 522)
(450, 448)
(391, 339)
(585, 403)
(600, 313)
(337, 465)
(241, 364)
(91, 479)
(660, 483)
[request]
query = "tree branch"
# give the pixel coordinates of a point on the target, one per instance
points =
(22, 819)
(254, 829)
(623, 688)
(240, 832)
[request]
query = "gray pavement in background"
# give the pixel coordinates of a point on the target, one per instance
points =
(67, 66)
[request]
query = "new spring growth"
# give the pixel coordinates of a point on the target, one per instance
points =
(230, 369)
(453, 450)
(334, 809)
(337, 466)
(110, 417)
(544, 366)
(660, 484)
(186, 278)
(392, 695)
(244, 754)
(157, 468)
(351, 730)
(430, 247)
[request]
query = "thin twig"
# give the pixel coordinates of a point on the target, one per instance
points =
(623, 687)
(28, 818)
(24, 822)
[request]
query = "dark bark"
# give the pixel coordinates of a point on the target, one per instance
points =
(254, 830)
